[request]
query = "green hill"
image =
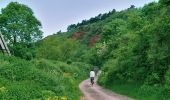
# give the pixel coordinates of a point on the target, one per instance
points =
(132, 48)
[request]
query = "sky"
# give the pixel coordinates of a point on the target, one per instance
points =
(56, 15)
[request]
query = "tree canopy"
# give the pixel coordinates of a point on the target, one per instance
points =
(19, 25)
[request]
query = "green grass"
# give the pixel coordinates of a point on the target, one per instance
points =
(39, 79)
(137, 91)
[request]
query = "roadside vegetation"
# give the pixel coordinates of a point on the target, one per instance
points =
(132, 48)
(133, 51)
(40, 79)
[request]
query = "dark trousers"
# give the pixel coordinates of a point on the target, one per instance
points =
(92, 80)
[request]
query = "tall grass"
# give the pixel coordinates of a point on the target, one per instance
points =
(137, 90)
(39, 79)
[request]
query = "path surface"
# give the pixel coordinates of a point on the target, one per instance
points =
(98, 93)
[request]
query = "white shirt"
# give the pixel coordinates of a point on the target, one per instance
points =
(92, 74)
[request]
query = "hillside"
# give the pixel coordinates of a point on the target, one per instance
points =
(39, 79)
(131, 47)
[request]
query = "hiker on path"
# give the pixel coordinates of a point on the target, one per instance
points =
(92, 75)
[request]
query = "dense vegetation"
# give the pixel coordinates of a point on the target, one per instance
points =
(20, 28)
(133, 50)
(46, 69)
(132, 47)
(40, 79)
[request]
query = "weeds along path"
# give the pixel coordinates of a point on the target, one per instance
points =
(98, 93)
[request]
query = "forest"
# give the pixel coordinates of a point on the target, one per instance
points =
(131, 47)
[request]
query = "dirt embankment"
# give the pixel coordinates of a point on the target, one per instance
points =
(78, 35)
(81, 35)
(93, 40)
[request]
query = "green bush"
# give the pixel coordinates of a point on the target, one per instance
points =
(39, 79)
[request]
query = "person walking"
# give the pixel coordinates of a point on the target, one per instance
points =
(92, 75)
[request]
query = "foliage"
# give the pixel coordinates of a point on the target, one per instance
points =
(57, 47)
(134, 47)
(91, 20)
(19, 27)
(133, 53)
(165, 2)
(39, 79)
(142, 53)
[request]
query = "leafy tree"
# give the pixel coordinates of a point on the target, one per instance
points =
(113, 28)
(71, 27)
(135, 21)
(159, 56)
(132, 6)
(57, 47)
(165, 2)
(19, 25)
(151, 10)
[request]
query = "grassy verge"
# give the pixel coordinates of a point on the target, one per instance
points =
(137, 91)
(40, 79)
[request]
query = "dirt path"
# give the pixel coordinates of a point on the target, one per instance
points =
(98, 93)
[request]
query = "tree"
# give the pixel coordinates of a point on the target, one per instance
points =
(71, 27)
(19, 25)
(165, 2)
(113, 28)
(57, 47)
(132, 6)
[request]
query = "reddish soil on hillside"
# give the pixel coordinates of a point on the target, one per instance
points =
(93, 40)
(81, 35)
(78, 35)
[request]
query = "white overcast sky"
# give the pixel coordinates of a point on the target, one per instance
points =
(56, 15)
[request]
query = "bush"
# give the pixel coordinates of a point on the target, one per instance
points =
(167, 79)
(39, 79)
